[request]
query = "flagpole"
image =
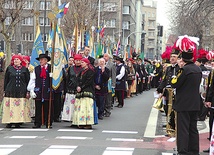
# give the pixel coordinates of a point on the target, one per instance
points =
(51, 78)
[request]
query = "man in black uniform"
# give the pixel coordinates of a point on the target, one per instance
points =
(187, 103)
(170, 72)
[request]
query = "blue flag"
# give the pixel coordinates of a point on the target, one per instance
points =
(38, 48)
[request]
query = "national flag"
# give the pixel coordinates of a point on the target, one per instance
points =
(102, 32)
(38, 48)
(118, 47)
(62, 10)
(66, 7)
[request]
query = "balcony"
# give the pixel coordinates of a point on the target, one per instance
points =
(151, 46)
(151, 37)
(151, 28)
(152, 18)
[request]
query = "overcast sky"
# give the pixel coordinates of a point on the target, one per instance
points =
(161, 13)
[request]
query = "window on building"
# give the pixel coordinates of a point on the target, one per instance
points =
(27, 21)
(47, 22)
(109, 7)
(10, 4)
(42, 6)
(41, 21)
(45, 37)
(48, 6)
(7, 20)
(30, 37)
(126, 25)
(126, 9)
(12, 38)
(111, 23)
(28, 5)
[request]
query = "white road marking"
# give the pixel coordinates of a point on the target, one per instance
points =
(127, 132)
(152, 123)
(33, 130)
(59, 149)
(118, 151)
(72, 137)
(7, 149)
(23, 137)
(167, 153)
(74, 130)
(126, 139)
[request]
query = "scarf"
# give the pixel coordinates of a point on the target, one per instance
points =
(43, 72)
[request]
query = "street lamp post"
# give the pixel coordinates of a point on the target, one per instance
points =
(124, 32)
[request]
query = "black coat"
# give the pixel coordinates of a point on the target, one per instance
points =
(85, 81)
(166, 81)
(101, 79)
(187, 83)
(71, 82)
(16, 81)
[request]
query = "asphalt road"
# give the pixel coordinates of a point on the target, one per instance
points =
(135, 129)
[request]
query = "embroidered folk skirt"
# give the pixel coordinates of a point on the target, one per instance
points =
(83, 111)
(16, 110)
(68, 108)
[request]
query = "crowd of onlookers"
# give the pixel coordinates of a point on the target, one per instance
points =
(87, 92)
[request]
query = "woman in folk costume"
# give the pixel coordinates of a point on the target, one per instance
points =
(71, 85)
(130, 78)
(84, 105)
(16, 108)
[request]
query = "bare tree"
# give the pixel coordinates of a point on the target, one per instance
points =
(191, 17)
(10, 15)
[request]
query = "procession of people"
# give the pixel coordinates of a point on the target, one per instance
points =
(91, 87)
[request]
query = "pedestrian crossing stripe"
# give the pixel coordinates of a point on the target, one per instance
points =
(30, 130)
(125, 139)
(167, 154)
(1, 129)
(23, 137)
(7, 149)
(72, 137)
(59, 149)
(121, 132)
(74, 130)
(118, 151)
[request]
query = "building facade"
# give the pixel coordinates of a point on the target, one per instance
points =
(150, 28)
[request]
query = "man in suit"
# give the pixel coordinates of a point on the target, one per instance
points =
(187, 103)
(86, 52)
(39, 87)
(111, 84)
